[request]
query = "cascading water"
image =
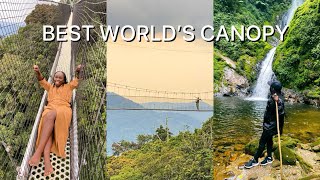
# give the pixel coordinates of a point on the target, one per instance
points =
(260, 92)
(262, 88)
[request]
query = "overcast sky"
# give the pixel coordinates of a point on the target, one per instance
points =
(159, 12)
(174, 66)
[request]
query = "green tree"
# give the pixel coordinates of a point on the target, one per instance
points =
(162, 133)
(45, 15)
(296, 62)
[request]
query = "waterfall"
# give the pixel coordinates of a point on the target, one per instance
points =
(262, 88)
(260, 92)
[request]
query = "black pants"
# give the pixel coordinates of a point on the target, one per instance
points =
(266, 138)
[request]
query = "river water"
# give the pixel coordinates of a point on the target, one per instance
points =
(237, 121)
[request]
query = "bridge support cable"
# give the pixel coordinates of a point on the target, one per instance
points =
(91, 103)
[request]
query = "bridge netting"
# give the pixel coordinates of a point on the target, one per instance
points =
(22, 100)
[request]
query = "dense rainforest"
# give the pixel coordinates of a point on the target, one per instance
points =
(247, 12)
(20, 93)
(296, 63)
(297, 60)
(162, 156)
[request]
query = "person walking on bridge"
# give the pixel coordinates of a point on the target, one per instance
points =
(53, 129)
(198, 103)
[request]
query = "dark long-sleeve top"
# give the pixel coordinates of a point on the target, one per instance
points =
(270, 118)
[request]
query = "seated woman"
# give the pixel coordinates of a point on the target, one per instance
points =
(54, 125)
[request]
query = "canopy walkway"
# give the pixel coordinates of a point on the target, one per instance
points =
(20, 92)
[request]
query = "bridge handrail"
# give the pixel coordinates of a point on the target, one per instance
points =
(74, 160)
(24, 169)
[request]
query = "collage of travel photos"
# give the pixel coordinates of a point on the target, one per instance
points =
(52, 93)
(159, 94)
(267, 93)
(168, 104)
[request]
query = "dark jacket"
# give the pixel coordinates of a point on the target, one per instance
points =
(270, 118)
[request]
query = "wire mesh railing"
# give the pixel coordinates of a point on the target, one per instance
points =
(91, 95)
(21, 46)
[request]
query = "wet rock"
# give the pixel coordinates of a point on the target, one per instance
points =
(230, 173)
(305, 146)
(292, 96)
(275, 163)
(285, 141)
(316, 148)
(316, 158)
(228, 147)
(288, 156)
(253, 177)
(227, 153)
(234, 156)
(238, 147)
(289, 142)
(221, 149)
(268, 178)
(233, 84)
(251, 147)
(316, 142)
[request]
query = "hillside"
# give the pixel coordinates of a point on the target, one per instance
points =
(185, 156)
(247, 12)
(127, 125)
(297, 61)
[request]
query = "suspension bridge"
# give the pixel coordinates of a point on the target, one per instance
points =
(21, 102)
(155, 100)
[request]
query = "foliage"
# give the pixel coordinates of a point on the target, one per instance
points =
(44, 15)
(91, 107)
(185, 156)
(246, 12)
(297, 61)
(20, 93)
(218, 65)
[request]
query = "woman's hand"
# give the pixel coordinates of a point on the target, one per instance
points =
(275, 97)
(36, 68)
(38, 73)
(79, 67)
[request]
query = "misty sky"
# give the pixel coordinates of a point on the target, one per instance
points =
(161, 66)
(160, 12)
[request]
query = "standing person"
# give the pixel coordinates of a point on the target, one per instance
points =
(53, 129)
(269, 125)
(198, 102)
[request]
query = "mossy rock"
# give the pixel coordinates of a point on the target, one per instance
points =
(316, 142)
(313, 176)
(288, 155)
(251, 147)
(287, 141)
